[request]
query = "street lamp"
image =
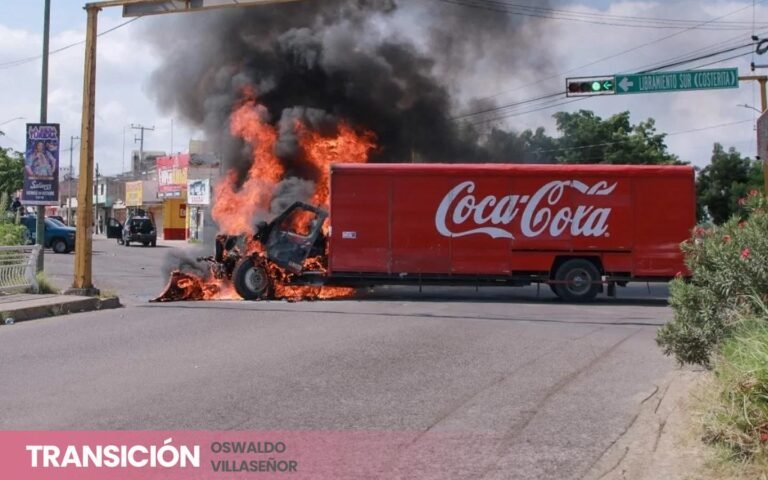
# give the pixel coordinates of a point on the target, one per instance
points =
(748, 106)
(12, 120)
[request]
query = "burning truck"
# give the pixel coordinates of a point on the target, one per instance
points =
(579, 229)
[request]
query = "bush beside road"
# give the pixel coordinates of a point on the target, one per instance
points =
(721, 322)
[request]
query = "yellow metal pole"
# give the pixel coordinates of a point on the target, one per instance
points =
(83, 282)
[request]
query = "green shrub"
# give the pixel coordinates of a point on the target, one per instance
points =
(729, 279)
(12, 234)
(736, 415)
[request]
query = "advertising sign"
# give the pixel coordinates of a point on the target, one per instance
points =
(199, 192)
(134, 193)
(172, 176)
(41, 165)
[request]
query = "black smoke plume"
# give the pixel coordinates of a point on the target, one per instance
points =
(396, 67)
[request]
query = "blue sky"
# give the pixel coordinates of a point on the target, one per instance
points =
(126, 63)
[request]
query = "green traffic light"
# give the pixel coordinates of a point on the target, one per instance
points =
(596, 86)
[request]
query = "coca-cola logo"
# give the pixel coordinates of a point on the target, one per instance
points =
(538, 213)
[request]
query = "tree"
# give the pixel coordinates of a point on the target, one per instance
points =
(587, 138)
(728, 178)
(11, 170)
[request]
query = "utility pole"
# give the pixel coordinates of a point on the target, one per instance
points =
(140, 139)
(40, 221)
(71, 174)
(762, 126)
(83, 279)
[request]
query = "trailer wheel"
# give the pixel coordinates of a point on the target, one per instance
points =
(577, 280)
(251, 280)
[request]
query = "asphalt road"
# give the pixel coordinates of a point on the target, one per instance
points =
(549, 386)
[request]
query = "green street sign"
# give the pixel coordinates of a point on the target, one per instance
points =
(677, 81)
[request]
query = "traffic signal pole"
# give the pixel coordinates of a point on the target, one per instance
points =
(761, 79)
(83, 282)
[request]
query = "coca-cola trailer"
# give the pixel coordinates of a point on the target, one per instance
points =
(576, 228)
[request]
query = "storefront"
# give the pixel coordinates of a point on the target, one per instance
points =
(172, 190)
(198, 200)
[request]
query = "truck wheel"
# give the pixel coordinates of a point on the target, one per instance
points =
(579, 279)
(251, 280)
(59, 246)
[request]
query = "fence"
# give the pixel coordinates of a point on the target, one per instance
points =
(17, 267)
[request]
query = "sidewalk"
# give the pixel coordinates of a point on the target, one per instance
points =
(22, 306)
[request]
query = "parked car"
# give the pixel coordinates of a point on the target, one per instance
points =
(58, 218)
(139, 229)
(58, 237)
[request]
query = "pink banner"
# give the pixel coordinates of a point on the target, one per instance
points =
(241, 455)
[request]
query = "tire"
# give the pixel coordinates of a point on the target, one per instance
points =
(59, 246)
(146, 244)
(154, 243)
(580, 280)
(251, 280)
(126, 243)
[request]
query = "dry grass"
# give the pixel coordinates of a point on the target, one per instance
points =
(44, 285)
(732, 408)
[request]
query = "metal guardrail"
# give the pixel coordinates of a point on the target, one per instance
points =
(17, 267)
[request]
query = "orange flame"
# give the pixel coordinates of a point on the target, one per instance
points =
(237, 201)
(236, 207)
(347, 147)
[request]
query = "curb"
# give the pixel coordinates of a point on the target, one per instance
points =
(59, 306)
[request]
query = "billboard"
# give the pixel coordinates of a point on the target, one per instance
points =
(199, 192)
(41, 165)
(134, 194)
(172, 176)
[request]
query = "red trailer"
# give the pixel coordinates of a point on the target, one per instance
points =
(576, 228)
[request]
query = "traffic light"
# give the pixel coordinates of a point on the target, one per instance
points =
(585, 86)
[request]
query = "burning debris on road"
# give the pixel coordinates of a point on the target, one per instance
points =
(241, 268)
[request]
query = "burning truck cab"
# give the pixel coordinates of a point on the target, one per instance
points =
(287, 249)
(581, 230)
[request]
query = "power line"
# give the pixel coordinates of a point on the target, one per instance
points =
(22, 61)
(724, 59)
(502, 107)
(703, 57)
(623, 52)
(517, 114)
(557, 94)
(628, 22)
(732, 41)
(603, 15)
